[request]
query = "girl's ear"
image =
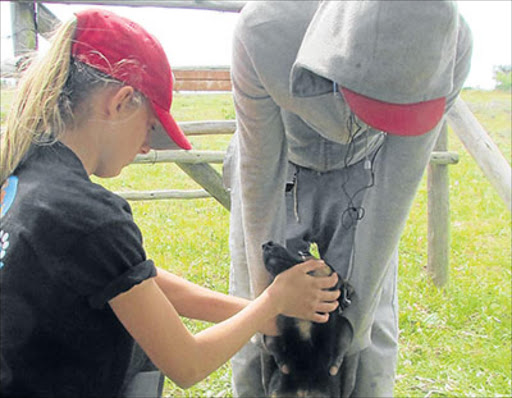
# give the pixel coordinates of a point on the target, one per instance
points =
(120, 101)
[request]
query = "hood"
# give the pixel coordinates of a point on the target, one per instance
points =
(394, 51)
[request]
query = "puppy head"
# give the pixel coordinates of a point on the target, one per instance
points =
(295, 368)
(313, 381)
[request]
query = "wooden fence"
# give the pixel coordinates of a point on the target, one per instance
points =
(29, 19)
(202, 79)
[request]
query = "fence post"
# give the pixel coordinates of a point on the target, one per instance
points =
(23, 27)
(206, 176)
(439, 215)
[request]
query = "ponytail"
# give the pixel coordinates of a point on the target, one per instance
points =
(35, 116)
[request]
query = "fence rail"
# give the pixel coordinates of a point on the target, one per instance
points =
(217, 157)
(189, 157)
(483, 149)
(222, 5)
(165, 194)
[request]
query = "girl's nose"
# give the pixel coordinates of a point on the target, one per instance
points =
(145, 148)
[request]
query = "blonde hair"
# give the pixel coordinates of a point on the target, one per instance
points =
(47, 98)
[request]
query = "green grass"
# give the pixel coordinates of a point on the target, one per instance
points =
(454, 341)
(6, 98)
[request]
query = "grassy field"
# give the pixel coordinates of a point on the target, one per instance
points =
(454, 341)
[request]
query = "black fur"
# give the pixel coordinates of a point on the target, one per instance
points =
(300, 359)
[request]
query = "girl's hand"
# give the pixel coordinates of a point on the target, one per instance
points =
(300, 295)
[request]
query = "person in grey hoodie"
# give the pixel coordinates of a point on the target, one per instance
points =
(338, 107)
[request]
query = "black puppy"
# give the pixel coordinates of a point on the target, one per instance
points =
(304, 351)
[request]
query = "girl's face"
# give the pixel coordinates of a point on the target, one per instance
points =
(126, 136)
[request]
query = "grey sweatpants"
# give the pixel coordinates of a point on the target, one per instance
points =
(315, 206)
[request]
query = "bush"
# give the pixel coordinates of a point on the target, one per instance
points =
(503, 77)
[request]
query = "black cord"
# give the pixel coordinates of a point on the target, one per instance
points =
(352, 214)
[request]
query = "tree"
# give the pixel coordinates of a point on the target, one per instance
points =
(503, 77)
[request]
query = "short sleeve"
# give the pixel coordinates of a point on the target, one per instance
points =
(106, 262)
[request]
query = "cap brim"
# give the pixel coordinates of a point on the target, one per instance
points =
(398, 119)
(169, 135)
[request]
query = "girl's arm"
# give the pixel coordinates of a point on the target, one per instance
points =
(197, 302)
(151, 318)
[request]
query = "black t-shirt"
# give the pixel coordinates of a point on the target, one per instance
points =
(67, 246)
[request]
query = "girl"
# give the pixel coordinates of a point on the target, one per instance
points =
(77, 290)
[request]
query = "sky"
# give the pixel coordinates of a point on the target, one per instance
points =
(203, 38)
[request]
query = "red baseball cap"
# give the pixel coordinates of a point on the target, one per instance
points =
(125, 51)
(398, 119)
